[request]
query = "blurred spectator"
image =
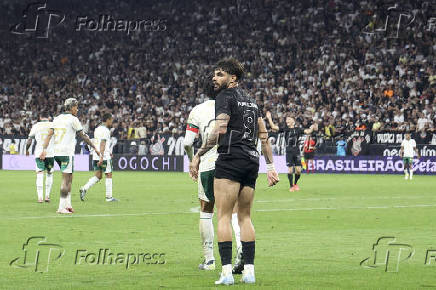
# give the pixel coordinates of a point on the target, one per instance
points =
(13, 148)
(142, 149)
(341, 147)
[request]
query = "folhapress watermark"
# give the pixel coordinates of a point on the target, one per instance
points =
(109, 23)
(387, 253)
(108, 257)
(39, 20)
(38, 254)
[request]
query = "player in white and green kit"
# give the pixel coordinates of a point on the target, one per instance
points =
(103, 162)
(407, 151)
(201, 121)
(64, 128)
(38, 133)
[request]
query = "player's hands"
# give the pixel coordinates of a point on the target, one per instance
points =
(42, 155)
(100, 162)
(193, 167)
(27, 153)
(273, 177)
(268, 115)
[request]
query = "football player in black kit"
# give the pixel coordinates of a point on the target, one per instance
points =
(237, 128)
(293, 153)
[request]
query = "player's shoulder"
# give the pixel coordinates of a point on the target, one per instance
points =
(204, 105)
(226, 93)
(73, 118)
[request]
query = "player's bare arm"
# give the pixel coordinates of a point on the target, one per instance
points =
(220, 128)
(272, 175)
(88, 141)
(401, 151)
(189, 152)
(188, 142)
(102, 148)
(28, 144)
(45, 145)
(273, 126)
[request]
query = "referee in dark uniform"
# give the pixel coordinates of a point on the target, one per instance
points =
(293, 152)
(237, 129)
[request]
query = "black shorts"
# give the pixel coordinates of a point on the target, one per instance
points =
(309, 155)
(293, 159)
(242, 170)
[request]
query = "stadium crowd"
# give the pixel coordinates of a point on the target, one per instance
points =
(320, 60)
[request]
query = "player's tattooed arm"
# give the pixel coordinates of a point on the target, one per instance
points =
(220, 127)
(273, 126)
(212, 139)
(272, 176)
(45, 144)
(88, 141)
(266, 147)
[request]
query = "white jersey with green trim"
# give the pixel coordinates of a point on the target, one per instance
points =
(409, 148)
(65, 128)
(202, 120)
(102, 133)
(39, 132)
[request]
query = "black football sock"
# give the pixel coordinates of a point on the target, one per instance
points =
(297, 176)
(248, 251)
(225, 249)
(291, 177)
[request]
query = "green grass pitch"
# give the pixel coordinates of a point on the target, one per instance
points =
(311, 239)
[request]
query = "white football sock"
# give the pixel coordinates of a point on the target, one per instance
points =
(68, 200)
(249, 267)
(40, 185)
(48, 184)
(93, 180)
(108, 187)
(237, 230)
(227, 269)
(405, 172)
(62, 202)
(207, 234)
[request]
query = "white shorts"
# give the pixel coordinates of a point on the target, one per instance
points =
(205, 186)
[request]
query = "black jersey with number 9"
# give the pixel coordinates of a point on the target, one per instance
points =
(241, 137)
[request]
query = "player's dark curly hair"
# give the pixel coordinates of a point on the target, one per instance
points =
(207, 84)
(231, 66)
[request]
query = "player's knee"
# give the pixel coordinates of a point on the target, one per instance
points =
(64, 190)
(207, 206)
(244, 218)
